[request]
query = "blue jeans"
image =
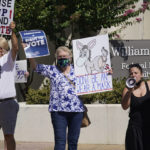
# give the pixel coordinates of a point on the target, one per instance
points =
(62, 120)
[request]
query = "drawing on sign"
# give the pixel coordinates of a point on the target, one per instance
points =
(97, 64)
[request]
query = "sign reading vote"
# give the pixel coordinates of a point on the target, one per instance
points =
(36, 43)
(6, 15)
(92, 63)
(20, 70)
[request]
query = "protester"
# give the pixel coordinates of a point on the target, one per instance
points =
(138, 99)
(8, 104)
(65, 106)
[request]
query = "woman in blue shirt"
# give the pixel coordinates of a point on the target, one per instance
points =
(65, 107)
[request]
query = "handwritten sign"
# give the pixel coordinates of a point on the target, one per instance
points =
(20, 70)
(94, 83)
(92, 63)
(36, 43)
(6, 16)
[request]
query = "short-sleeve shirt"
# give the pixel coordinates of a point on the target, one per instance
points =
(7, 79)
(62, 92)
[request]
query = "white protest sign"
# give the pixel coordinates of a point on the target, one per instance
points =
(20, 70)
(92, 62)
(6, 16)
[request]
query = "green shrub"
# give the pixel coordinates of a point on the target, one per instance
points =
(41, 96)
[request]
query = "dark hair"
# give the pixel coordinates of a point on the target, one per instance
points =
(137, 66)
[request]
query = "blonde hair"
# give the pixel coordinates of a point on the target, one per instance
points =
(4, 43)
(65, 49)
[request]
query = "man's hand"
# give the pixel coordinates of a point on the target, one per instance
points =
(12, 25)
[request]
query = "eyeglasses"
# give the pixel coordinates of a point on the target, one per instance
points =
(63, 56)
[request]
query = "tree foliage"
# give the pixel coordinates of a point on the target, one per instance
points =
(85, 17)
(40, 96)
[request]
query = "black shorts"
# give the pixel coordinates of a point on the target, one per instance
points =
(8, 116)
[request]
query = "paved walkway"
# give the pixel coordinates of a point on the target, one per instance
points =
(49, 146)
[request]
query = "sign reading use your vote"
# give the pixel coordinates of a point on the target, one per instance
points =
(20, 70)
(36, 43)
(92, 63)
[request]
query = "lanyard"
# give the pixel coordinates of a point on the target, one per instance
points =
(69, 81)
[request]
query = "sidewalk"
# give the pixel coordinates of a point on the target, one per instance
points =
(49, 146)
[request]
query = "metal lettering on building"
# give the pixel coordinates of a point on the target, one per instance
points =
(126, 52)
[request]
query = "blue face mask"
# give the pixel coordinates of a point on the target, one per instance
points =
(63, 62)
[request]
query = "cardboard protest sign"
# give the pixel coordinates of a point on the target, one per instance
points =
(92, 62)
(36, 43)
(6, 16)
(20, 70)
